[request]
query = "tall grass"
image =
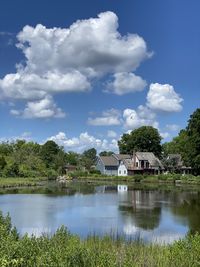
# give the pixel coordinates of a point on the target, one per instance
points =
(18, 181)
(66, 250)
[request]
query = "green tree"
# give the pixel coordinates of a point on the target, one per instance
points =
(89, 158)
(72, 158)
(193, 132)
(48, 152)
(179, 145)
(105, 153)
(2, 163)
(145, 138)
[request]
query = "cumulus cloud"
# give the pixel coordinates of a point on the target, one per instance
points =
(108, 117)
(42, 109)
(112, 134)
(124, 83)
(68, 59)
(83, 142)
(142, 116)
(172, 127)
(23, 85)
(162, 97)
(164, 135)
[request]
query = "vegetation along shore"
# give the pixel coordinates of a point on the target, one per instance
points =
(65, 249)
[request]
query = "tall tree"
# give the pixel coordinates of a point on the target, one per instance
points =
(48, 152)
(72, 158)
(89, 157)
(193, 131)
(145, 138)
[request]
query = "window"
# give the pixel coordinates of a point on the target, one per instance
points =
(125, 172)
(119, 172)
(136, 164)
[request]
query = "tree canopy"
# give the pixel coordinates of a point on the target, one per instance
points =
(145, 138)
(187, 143)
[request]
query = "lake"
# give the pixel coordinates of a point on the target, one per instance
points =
(151, 213)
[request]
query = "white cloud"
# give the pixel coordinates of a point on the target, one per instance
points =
(124, 83)
(27, 136)
(67, 59)
(109, 117)
(83, 142)
(162, 97)
(164, 135)
(112, 134)
(143, 116)
(42, 109)
(23, 85)
(172, 127)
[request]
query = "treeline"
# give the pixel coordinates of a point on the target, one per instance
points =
(29, 159)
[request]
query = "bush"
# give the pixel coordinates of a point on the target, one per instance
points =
(95, 172)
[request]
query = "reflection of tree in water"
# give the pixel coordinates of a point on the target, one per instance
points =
(140, 208)
(189, 210)
(147, 219)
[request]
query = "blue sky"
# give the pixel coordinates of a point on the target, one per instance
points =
(84, 72)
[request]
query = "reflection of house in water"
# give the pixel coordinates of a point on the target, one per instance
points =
(122, 188)
(142, 208)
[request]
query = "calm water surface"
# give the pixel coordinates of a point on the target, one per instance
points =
(152, 214)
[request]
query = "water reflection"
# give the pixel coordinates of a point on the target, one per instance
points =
(187, 211)
(142, 209)
(86, 208)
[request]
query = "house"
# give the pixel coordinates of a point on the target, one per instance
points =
(107, 165)
(70, 168)
(174, 163)
(147, 162)
(123, 164)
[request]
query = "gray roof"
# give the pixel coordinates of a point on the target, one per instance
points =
(129, 164)
(109, 160)
(150, 157)
(121, 156)
(177, 158)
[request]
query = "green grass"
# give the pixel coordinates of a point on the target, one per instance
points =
(17, 182)
(162, 178)
(66, 250)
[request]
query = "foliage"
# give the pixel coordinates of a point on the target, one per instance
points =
(72, 158)
(145, 139)
(187, 143)
(193, 131)
(106, 153)
(48, 152)
(65, 249)
(88, 158)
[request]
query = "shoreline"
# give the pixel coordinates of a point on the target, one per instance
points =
(13, 182)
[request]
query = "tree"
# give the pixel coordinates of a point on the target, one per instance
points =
(187, 143)
(48, 152)
(193, 132)
(2, 163)
(145, 139)
(89, 158)
(72, 158)
(106, 153)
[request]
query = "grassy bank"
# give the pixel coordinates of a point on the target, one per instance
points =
(18, 182)
(83, 176)
(65, 249)
(162, 178)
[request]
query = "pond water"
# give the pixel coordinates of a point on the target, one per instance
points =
(153, 214)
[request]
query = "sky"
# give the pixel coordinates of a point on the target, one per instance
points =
(82, 73)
